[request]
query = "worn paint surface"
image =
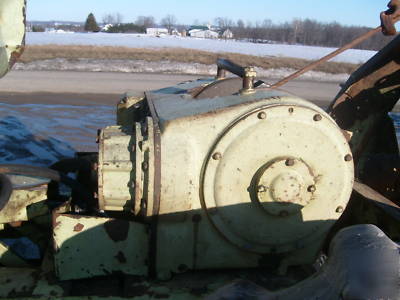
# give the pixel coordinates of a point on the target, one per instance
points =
(17, 281)
(226, 148)
(16, 209)
(91, 246)
(274, 173)
(279, 186)
(12, 33)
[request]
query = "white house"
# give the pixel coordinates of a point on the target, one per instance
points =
(205, 34)
(227, 34)
(175, 32)
(156, 31)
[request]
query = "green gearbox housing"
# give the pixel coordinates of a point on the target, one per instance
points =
(229, 180)
(216, 174)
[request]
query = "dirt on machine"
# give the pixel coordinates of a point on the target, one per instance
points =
(218, 188)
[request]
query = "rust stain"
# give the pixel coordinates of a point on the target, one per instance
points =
(15, 55)
(15, 224)
(78, 227)
(117, 230)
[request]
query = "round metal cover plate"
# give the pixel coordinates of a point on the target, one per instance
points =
(275, 178)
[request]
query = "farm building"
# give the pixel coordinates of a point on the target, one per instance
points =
(175, 32)
(156, 31)
(205, 34)
(227, 34)
(200, 31)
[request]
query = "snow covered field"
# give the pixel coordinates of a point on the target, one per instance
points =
(143, 41)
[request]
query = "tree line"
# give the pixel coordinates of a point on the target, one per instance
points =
(304, 32)
(138, 26)
(298, 31)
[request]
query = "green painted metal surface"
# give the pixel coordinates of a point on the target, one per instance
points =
(12, 32)
(93, 246)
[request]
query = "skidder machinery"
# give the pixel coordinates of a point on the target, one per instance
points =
(219, 188)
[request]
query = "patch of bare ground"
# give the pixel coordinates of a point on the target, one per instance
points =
(35, 53)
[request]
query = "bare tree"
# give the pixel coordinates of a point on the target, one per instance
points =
(115, 18)
(224, 23)
(108, 19)
(298, 30)
(169, 22)
(119, 18)
(145, 21)
(240, 24)
(267, 23)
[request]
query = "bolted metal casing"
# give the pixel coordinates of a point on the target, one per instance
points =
(240, 178)
(126, 168)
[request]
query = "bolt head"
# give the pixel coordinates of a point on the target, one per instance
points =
(340, 209)
(289, 162)
(262, 115)
(311, 189)
(317, 118)
(348, 157)
(217, 156)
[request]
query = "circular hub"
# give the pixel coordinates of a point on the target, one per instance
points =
(282, 188)
(273, 184)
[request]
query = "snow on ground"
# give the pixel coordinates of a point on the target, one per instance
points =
(143, 41)
(40, 134)
(140, 66)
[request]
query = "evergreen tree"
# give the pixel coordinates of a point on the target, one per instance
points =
(91, 24)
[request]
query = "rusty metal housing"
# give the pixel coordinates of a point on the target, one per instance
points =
(212, 175)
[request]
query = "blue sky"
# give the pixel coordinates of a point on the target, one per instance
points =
(348, 12)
